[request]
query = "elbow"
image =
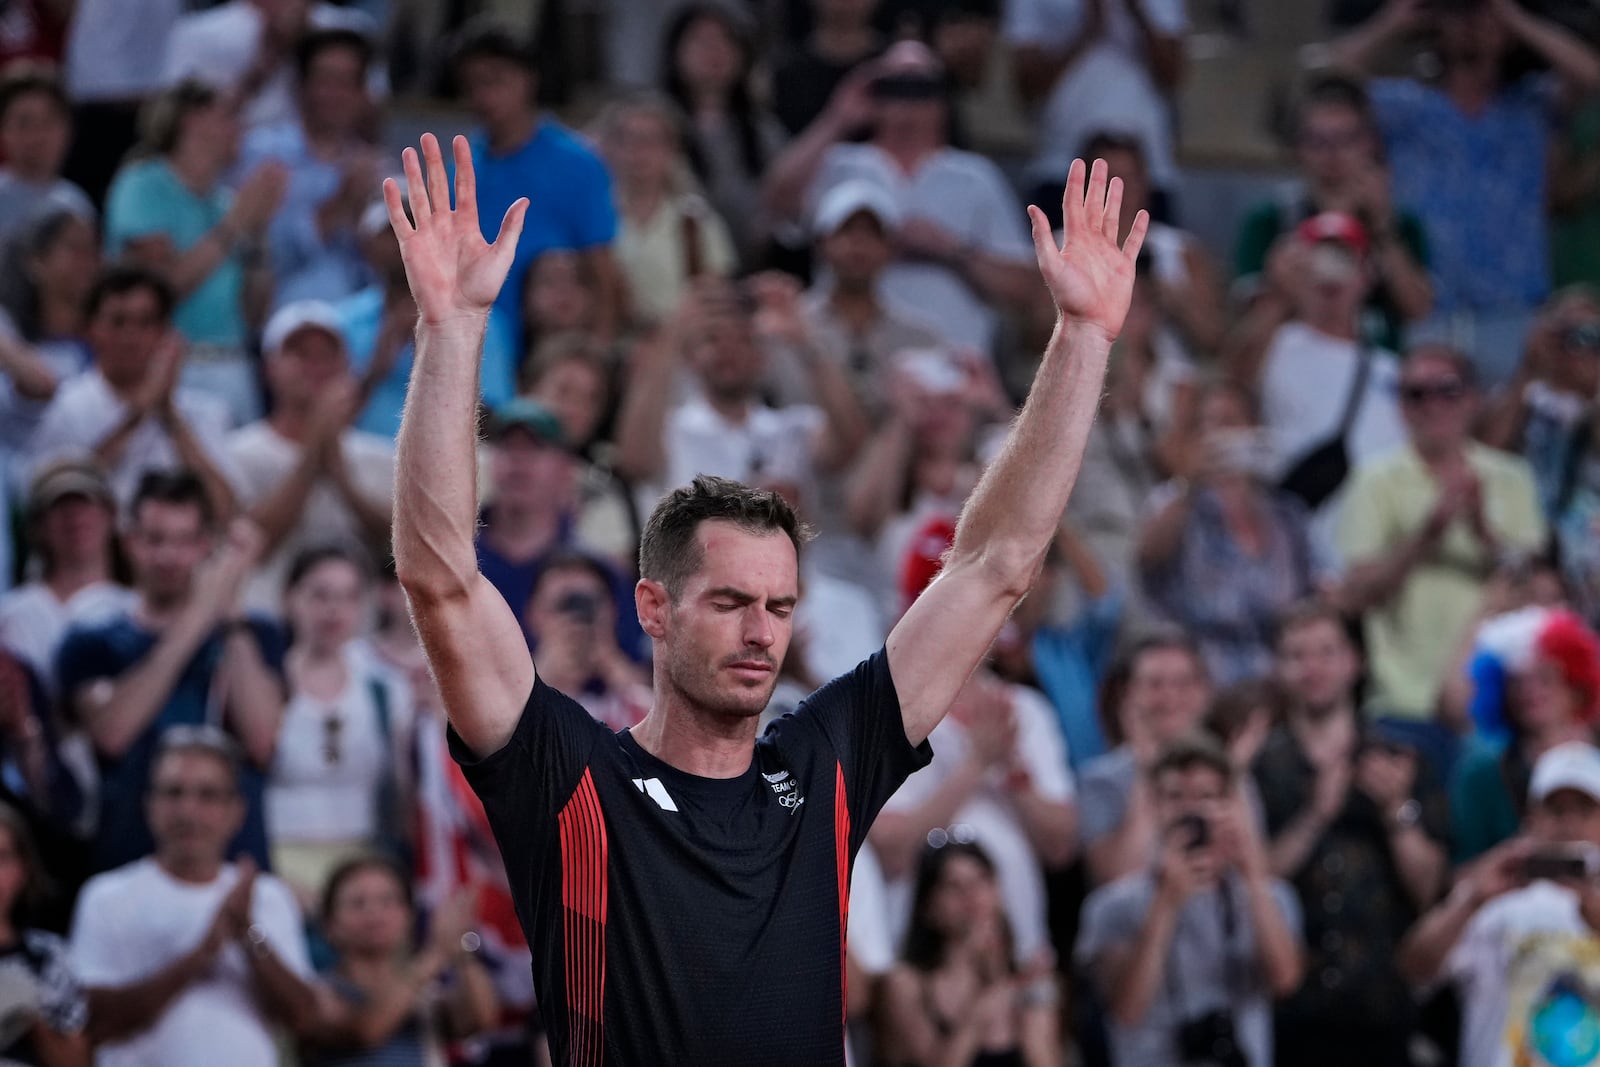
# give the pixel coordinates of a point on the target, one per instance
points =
(109, 740)
(1286, 977)
(1010, 569)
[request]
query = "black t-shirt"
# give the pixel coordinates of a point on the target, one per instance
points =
(679, 920)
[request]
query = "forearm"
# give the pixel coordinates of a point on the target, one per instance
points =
(1134, 990)
(847, 422)
(1568, 55)
(1421, 862)
(641, 426)
(609, 309)
(898, 837)
(1409, 284)
(1508, 414)
(473, 1005)
(1373, 583)
(253, 695)
(30, 378)
(1011, 517)
(1423, 952)
(1244, 348)
(109, 449)
(1051, 826)
(283, 994)
(1288, 852)
(117, 1013)
(1129, 846)
(1357, 49)
(1278, 950)
(999, 281)
(791, 174)
(132, 702)
(187, 271)
(276, 514)
(1162, 535)
(879, 479)
(1164, 51)
(436, 503)
(197, 459)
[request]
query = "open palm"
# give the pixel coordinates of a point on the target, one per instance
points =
(1090, 278)
(454, 273)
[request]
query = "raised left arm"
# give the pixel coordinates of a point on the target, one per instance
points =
(1011, 517)
(1574, 62)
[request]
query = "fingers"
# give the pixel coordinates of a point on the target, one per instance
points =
(1094, 197)
(438, 179)
(1135, 241)
(1044, 242)
(1113, 211)
(1072, 199)
(416, 191)
(466, 180)
(505, 242)
(397, 209)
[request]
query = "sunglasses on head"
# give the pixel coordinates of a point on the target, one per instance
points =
(1422, 392)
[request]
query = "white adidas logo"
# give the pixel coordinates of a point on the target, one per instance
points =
(652, 788)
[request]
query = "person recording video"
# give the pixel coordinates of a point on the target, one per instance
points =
(1519, 935)
(571, 621)
(1188, 954)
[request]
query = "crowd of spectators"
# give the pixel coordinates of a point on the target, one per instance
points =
(1289, 757)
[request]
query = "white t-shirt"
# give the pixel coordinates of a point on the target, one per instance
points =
(33, 621)
(966, 195)
(110, 44)
(219, 45)
(262, 458)
(331, 757)
(133, 921)
(85, 410)
(1526, 965)
(1108, 87)
(996, 825)
(771, 443)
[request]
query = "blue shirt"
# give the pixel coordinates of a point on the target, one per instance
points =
(569, 201)
(109, 650)
(148, 200)
(1071, 662)
(305, 265)
(1478, 184)
(361, 317)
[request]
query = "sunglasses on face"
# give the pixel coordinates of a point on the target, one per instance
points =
(1584, 335)
(205, 794)
(1418, 393)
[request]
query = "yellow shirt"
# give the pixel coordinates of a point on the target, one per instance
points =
(653, 260)
(1412, 638)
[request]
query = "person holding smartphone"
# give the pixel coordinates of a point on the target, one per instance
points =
(1187, 954)
(1519, 935)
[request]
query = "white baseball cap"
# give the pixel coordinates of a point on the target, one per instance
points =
(1572, 765)
(300, 315)
(847, 199)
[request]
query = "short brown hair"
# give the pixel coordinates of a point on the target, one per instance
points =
(25, 78)
(1189, 752)
(668, 551)
(1308, 613)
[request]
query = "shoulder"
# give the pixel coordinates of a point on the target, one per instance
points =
(275, 140)
(1127, 896)
(958, 162)
(561, 144)
(1110, 771)
(359, 308)
(119, 883)
(1499, 465)
(137, 178)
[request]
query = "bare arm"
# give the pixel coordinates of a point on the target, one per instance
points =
(1373, 582)
(792, 172)
(900, 836)
(473, 642)
(56, 1049)
(120, 1012)
(1124, 849)
(1163, 532)
(641, 425)
(878, 480)
(373, 514)
(1165, 50)
(1408, 281)
(1132, 974)
(253, 695)
(30, 377)
(285, 995)
(1278, 949)
(193, 455)
(473, 1004)
(1572, 59)
(1011, 518)
(610, 301)
(1037, 69)
(1357, 49)
(1421, 861)
(1051, 825)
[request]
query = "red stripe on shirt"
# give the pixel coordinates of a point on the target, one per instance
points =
(583, 898)
(841, 849)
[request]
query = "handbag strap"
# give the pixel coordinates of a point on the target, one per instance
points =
(1358, 389)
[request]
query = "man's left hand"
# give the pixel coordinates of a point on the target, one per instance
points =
(1090, 278)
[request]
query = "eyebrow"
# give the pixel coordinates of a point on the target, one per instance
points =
(740, 596)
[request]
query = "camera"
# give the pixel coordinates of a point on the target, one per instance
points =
(1576, 862)
(1210, 1040)
(580, 607)
(1196, 829)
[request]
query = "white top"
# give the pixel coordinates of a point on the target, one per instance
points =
(1518, 965)
(771, 443)
(219, 45)
(996, 825)
(966, 195)
(85, 410)
(33, 621)
(110, 45)
(872, 943)
(137, 919)
(1108, 87)
(1306, 378)
(262, 458)
(331, 757)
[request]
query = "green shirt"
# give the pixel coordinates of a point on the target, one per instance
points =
(1265, 223)
(1575, 235)
(1482, 811)
(1412, 638)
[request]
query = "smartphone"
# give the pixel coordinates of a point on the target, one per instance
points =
(580, 607)
(1574, 862)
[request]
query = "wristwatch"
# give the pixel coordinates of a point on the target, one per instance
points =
(255, 939)
(1407, 815)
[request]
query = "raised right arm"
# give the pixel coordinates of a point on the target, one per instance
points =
(473, 642)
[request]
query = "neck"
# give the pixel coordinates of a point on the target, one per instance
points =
(1340, 327)
(1442, 454)
(735, 407)
(369, 969)
(857, 305)
(306, 654)
(196, 869)
(640, 200)
(195, 168)
(325, 141)
(908, 151)
(682, 736)
(1314, 721)
(60, 315)
(707, 101)
(514, 132)
(70, 575)
(1472, 85)
(292, 422)
(157, 612)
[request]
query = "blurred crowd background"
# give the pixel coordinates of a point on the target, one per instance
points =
(1288, 758)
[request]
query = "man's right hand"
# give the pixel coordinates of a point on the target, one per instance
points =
(455, 275)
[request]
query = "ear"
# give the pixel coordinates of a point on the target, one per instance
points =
(650, 599)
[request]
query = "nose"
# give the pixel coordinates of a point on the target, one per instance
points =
(758, 627)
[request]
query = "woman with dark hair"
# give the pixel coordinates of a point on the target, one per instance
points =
(43, 1009)
(386, 1002)
(339, 776)
(708, 58)
(957, 998)
(45, 276)
(169, 210)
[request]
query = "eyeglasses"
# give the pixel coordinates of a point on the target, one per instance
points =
(206, 794)
(1418, 393)
(1329, 142)
(955, 834)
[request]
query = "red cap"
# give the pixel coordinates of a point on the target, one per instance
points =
(925, 556)
(1574, 649)
(1336, 226)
